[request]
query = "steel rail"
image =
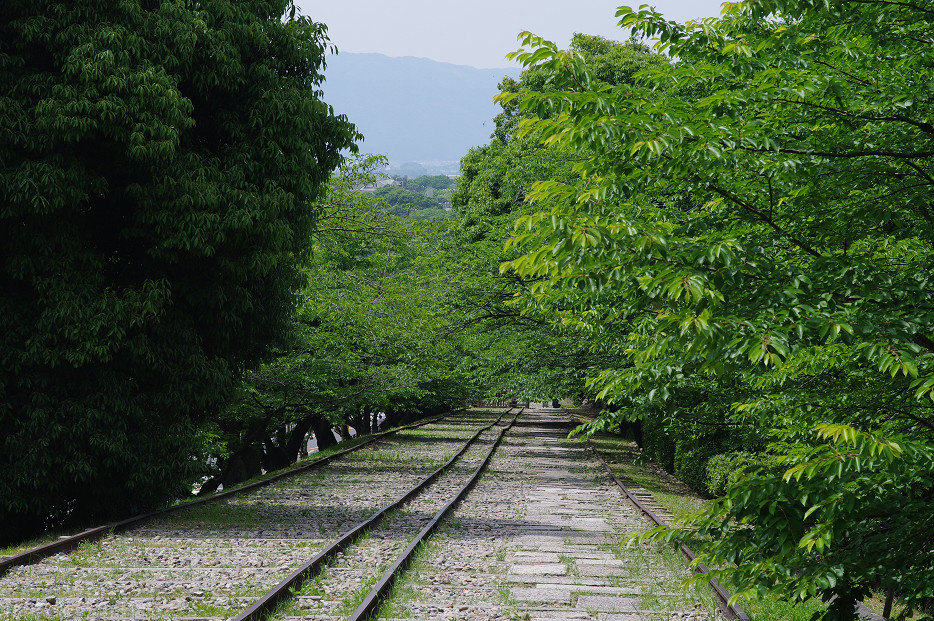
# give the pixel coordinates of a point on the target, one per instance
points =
(266, 605)
(730, 611)
(368, 607)
(71, 542)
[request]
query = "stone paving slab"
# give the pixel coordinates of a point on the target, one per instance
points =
(582, 581)
(536, 557)
(557, 615)
(541, 595)
(559, 537)
(542, 569)
(593, 524)
(605, 603)
(583, 588)
(581, 551)
(600, 570)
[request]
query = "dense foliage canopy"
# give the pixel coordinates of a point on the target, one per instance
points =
(158, 166)
(750, 235)
(414, 204)
(533, 356)
(373, 335)
(727, 240)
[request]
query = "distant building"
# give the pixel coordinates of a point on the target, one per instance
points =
(379, 183)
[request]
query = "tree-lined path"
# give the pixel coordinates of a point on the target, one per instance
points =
(539, 537)
(721, 233)
(542, 537)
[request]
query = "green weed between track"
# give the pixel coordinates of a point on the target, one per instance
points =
(677, 498)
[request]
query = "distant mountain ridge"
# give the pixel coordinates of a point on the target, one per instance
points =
(414, 109)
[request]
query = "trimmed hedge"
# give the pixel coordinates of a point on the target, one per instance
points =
(725, 469)
(691, 457)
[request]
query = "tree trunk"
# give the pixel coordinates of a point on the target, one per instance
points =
(245, 465)
(297, 441)
(286, 451)
(358, 423)
(889, 597)
(244, 460)
(323, 433)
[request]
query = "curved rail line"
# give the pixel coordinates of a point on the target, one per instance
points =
(72, 542)
(267, 604)
(730, 611)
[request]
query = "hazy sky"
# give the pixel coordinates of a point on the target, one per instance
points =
(478, 33)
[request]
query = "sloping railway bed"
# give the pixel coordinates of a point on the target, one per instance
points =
(72, 542)
(412, 520)
(731, 611)
(541, 540)
(215, 559)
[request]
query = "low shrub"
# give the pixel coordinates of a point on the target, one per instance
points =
(724, 470)
(691, 457)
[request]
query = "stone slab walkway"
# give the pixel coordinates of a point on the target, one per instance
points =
(541, 539)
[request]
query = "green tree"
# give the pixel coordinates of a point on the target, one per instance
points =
(369, 335)
(436, 182)
(159, 163)
(401, 202)
(763, 228)
(529, 354)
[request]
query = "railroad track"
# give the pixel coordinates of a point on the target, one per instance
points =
(645, 503)
(72, 542)
(216, 560)
(353, 585)
(541, 539)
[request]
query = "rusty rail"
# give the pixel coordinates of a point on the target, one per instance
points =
(730, 611)
(369, 606)
(70, 543)
(266, 604)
